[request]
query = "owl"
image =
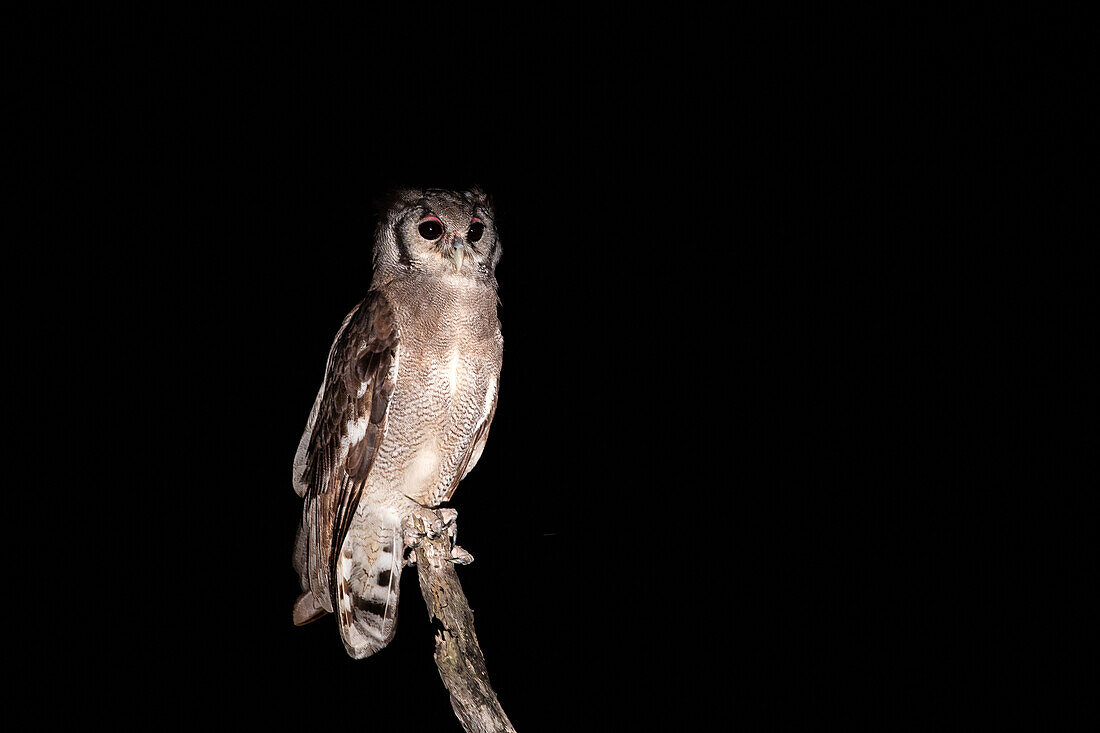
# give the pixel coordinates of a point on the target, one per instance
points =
(403, 413)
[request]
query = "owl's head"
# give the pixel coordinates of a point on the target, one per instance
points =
(437, 232)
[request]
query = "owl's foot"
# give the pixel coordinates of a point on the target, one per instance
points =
(422, 522)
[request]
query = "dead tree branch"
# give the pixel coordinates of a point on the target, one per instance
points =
(457, 654)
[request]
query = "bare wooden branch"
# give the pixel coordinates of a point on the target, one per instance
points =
(457, 654)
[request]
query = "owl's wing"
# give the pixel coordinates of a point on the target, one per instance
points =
(340, 442)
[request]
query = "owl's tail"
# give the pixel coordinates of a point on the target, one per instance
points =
(364, 589)
(368, 585)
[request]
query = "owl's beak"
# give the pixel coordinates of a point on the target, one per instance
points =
(458, 253)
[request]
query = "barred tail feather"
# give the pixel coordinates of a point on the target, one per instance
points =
(368, 583)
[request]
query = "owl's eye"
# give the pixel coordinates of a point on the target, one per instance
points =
(431, 228)
(475, 231)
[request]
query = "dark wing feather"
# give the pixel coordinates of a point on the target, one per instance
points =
(343, 437)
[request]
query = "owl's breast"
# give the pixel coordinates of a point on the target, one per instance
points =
(446, 384)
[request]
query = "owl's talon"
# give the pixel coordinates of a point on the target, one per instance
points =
(431, 523)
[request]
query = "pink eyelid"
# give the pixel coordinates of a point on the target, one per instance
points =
(431, 218)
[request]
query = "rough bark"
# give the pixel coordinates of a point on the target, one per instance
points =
(457, 654)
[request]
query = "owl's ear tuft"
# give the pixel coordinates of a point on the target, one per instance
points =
(479, 196)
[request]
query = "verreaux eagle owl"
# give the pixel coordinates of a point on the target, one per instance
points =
(403, 413)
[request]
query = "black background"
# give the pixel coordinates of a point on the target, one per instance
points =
(678, 511)
(654, 516)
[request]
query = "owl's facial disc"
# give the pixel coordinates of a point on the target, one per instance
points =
(445, 232)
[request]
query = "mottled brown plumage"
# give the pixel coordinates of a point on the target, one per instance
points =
(404, 411)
